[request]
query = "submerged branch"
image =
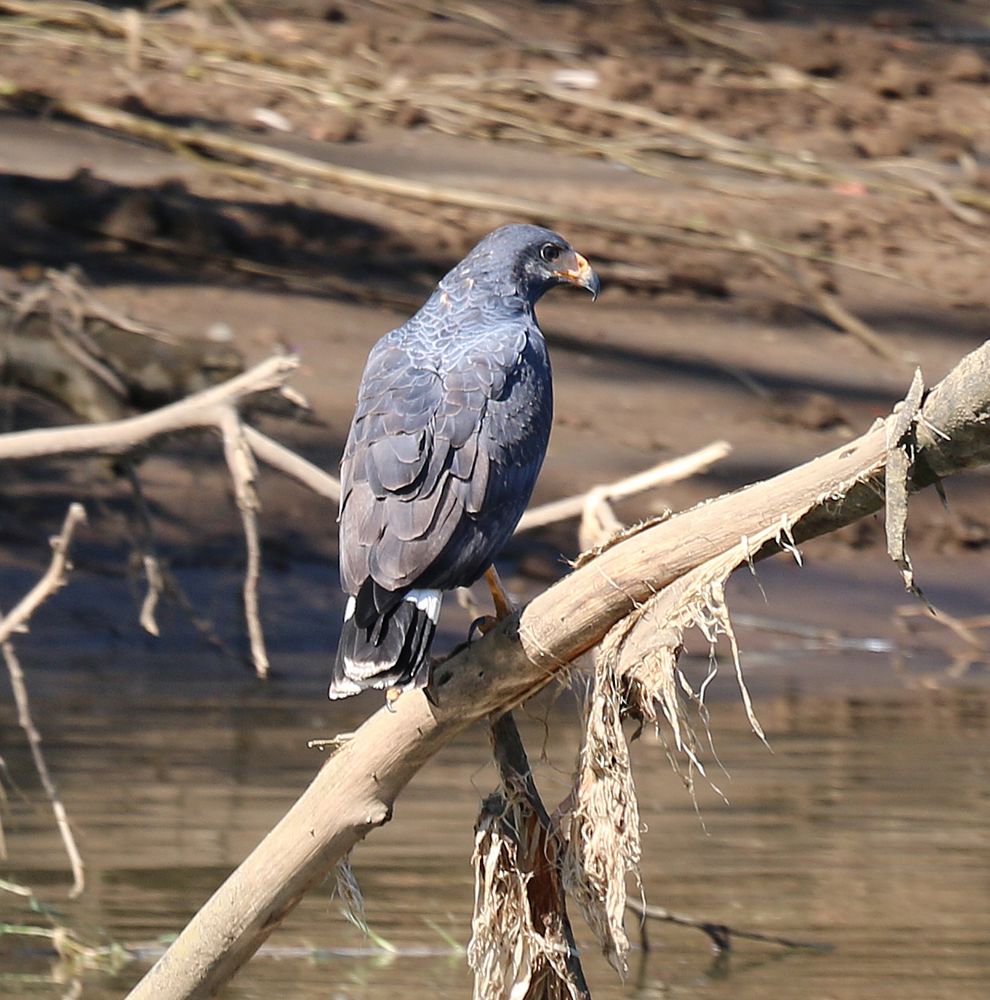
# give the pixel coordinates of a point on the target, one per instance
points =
(718, 933)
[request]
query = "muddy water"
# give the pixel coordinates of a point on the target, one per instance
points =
(867, 827)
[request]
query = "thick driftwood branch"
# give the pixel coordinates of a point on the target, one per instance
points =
(355, 790)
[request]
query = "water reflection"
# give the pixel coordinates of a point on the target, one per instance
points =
(868, 826)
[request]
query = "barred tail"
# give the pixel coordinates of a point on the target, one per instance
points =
(391, 650)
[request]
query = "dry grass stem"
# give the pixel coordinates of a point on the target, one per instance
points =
(525, 102)
(811, 288)
(263, 159)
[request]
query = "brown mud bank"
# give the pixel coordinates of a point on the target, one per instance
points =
(693, 123)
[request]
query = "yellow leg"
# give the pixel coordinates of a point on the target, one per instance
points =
(503, 603)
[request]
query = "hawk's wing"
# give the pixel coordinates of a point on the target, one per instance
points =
(418, 462)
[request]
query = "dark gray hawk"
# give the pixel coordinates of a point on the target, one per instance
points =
(452, 423)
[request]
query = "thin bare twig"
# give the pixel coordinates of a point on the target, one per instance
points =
(244, 472)
(116, 437)
(215, 407)
(719, 934)
(779, 265)
(149, 560)
(51, 581)
(291, 464)
(666, 472)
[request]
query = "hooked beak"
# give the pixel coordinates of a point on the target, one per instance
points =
(582, 274)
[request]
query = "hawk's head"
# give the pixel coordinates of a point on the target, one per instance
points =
(527, 260)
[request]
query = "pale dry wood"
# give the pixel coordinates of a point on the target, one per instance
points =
(215, 408)
(202, 409)
(53, 579)
(26, 722)
(244, 471)
(665, 472)
(292, 464)
(355, 790)
(149, 560)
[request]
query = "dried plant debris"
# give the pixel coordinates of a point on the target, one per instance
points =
(602, 831)
(520, 939)
(349, 891)
(637, 676)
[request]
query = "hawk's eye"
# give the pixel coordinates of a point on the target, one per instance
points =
(551, 252)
